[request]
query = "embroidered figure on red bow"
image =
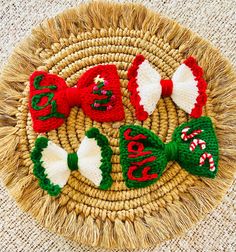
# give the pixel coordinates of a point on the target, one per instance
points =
(187, 88)
(144, 156)
(105, 103)
(97, 93)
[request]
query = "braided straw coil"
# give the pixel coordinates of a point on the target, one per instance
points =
(67, 45)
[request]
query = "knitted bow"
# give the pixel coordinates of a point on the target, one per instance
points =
(53, 165)
(187, 88)
(144, 156)
(97, 92)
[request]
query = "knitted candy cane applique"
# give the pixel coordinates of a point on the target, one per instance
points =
(197, 142)
(97, 93)
(144, 156)
(53, 165)
(185, 136)
(208, 156)
(187, 88)
(202, 145)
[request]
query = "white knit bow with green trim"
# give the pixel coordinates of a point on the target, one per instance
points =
(53, 165)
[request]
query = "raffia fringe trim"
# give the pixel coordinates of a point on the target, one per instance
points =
(110, 233)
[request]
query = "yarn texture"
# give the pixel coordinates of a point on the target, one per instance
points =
(187, 87)
(70, 44)
(144, 156)
(52, 164)
(97, 92)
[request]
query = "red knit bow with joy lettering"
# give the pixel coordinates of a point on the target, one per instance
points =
(97, 93)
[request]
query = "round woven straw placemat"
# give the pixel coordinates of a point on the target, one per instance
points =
(67, 45)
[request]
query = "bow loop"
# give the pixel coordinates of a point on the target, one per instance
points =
(189, 91)
(187, 87)
(198, 147)
(46, 95)
(53, 165)
(97, 92)
(144, 156)
(143, 86)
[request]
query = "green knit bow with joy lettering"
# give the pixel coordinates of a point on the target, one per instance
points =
(144, 156)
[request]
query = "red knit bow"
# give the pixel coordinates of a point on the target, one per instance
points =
(97, 93)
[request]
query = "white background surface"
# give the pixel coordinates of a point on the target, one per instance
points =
(214, 20)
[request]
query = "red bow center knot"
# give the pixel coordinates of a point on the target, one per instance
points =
(167, 88)
(73, 96)
(97, 93)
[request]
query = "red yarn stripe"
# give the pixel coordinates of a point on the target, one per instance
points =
(135, 99)
(201, 84)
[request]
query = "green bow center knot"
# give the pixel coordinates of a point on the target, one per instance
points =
(72, 161)
(144, 156)
(171, 150)
(53, 165)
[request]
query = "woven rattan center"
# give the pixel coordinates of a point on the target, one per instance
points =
(71, 58)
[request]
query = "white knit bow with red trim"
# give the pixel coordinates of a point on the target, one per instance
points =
(187, 88)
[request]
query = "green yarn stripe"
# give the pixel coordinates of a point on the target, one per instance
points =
(39, 171)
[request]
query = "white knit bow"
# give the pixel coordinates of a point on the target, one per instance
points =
(53, 165)
(187, 88)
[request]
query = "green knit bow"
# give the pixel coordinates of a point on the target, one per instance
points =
(144, 156)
